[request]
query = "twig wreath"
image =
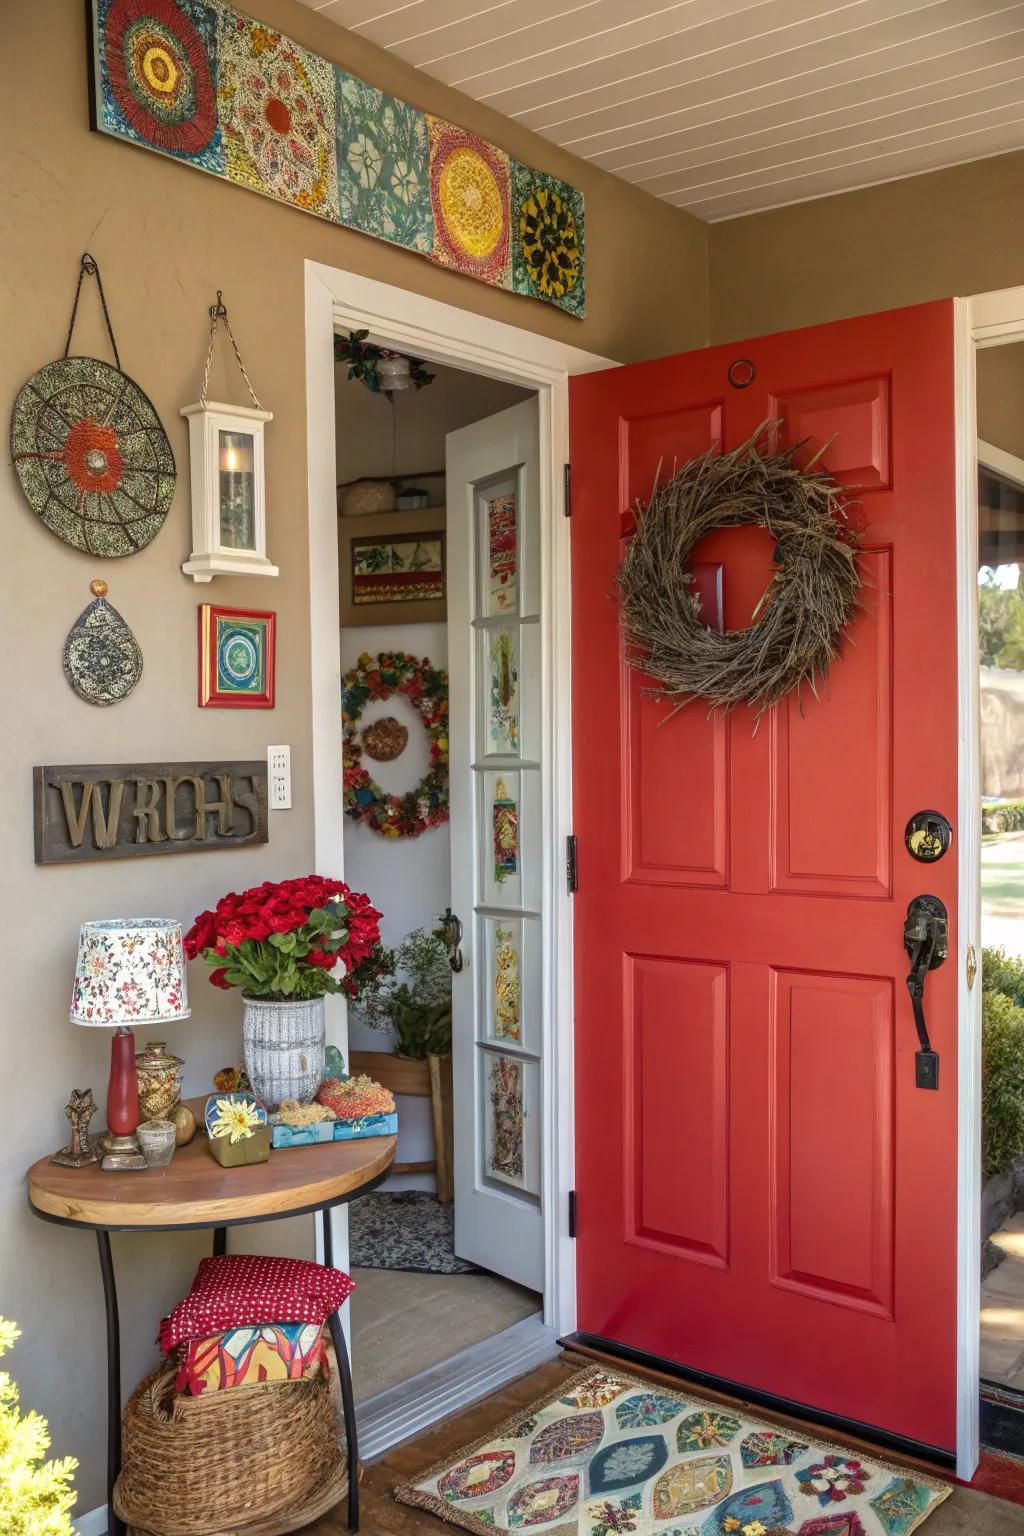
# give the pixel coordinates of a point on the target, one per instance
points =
(426, 688)
(798, 624)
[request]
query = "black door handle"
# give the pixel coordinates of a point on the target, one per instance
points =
(926, 940)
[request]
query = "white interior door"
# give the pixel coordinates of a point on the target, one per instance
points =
(494, 663)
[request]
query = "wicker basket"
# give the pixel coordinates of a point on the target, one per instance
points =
(255, 1460)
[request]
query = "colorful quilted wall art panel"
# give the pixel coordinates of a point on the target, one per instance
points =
(383, 165)
(196, 80)
(604, 1456)
(547, 239)
(156, 68)
(469, 193)
(277, 115)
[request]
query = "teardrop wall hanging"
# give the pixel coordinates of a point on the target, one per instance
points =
(102, 659)
(90, 450)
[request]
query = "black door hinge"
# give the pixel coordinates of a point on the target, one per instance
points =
(572, 869)
(572, 1213)
(567, 489)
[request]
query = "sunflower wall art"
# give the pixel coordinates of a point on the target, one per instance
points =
(212, 88)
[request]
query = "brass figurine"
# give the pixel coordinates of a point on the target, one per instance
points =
(80, 1151)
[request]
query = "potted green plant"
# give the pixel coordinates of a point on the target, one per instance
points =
(410, 998)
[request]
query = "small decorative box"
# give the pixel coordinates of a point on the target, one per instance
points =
(334, 1130)
(238, 1129)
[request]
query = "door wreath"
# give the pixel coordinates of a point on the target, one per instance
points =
(800, 620)
(426, 688)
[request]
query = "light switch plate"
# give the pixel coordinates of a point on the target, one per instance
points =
(279, 772)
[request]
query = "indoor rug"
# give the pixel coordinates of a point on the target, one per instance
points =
(615, 1454)
(404, 1230)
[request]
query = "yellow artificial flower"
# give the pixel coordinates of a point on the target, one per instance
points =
(237, 1119)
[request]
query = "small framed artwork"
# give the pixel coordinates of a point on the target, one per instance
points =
(236, 658)
(393, 567)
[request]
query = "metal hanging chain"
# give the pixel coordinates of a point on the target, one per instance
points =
(217, 314)
(89, 267)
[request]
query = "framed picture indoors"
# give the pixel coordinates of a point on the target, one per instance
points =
(392, 567)
(236, 658)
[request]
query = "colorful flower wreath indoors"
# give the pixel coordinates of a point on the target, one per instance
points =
(426, 688)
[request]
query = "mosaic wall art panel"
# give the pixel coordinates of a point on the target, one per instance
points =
(277, 116)
(547, 239)
(470, 185)
(156, 75)
(501, 552)
(383, 165)
(220, 91)
(506, 1151)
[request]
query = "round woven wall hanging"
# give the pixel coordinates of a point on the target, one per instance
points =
(90, 451)
(799, 622)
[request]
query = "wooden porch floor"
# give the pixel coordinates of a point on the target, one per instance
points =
(966, 1513)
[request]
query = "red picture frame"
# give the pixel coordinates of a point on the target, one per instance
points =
(237, 657)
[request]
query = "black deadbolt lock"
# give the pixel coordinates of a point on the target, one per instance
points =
(928, 836)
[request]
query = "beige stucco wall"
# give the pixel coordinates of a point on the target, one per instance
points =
(1001, 397)
(953, 232)
(167, 237)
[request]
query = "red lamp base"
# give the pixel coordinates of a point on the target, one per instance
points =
(120, 1145)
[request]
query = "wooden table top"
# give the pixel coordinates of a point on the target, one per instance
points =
(195, 1191)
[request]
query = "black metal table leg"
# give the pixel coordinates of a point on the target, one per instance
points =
(220, 1242)
(114, 1525)
(345, 1379)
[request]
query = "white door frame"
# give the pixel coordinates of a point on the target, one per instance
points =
(983, 320)
(395, 317)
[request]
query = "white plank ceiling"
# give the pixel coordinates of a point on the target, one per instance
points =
(725, 107)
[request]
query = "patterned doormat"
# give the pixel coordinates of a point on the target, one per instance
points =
(615, 1454)
(406, 1229)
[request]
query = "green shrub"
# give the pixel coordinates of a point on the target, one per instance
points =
(1002, 1016)
(1002, 816)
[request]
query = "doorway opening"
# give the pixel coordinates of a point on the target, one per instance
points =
(1000, 427)
(443, 336)
(424, 1291)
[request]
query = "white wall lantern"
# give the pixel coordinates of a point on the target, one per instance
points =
(229, 512)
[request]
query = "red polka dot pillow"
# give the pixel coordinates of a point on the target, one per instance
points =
(241, 1291)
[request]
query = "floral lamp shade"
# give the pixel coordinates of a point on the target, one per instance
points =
(130, 971)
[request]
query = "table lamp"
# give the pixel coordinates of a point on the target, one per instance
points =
(131, 970)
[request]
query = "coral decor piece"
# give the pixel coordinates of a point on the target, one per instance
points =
(800, 620)
(469, 192)
(574, 1464)
(282, 939)
(426, 688)
(356, 1098)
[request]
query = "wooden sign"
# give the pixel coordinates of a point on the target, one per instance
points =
(123, 810)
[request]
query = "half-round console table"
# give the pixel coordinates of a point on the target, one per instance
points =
(194, 1191)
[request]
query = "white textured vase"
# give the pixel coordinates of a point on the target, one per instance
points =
(283, 1048)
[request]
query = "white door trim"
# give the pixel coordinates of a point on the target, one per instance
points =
(983, 320)
(442, 333)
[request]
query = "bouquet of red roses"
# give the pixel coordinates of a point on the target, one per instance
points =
(284, 938)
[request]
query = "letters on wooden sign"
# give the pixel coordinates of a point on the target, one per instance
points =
(123, 810)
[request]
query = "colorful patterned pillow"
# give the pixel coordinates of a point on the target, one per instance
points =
(243, 1357)
(241, 1291)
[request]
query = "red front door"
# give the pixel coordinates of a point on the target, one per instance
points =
(764, 1194)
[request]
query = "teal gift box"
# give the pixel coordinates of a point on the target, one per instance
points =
(334, 1130)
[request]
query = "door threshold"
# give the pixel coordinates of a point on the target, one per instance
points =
(400, 1412)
